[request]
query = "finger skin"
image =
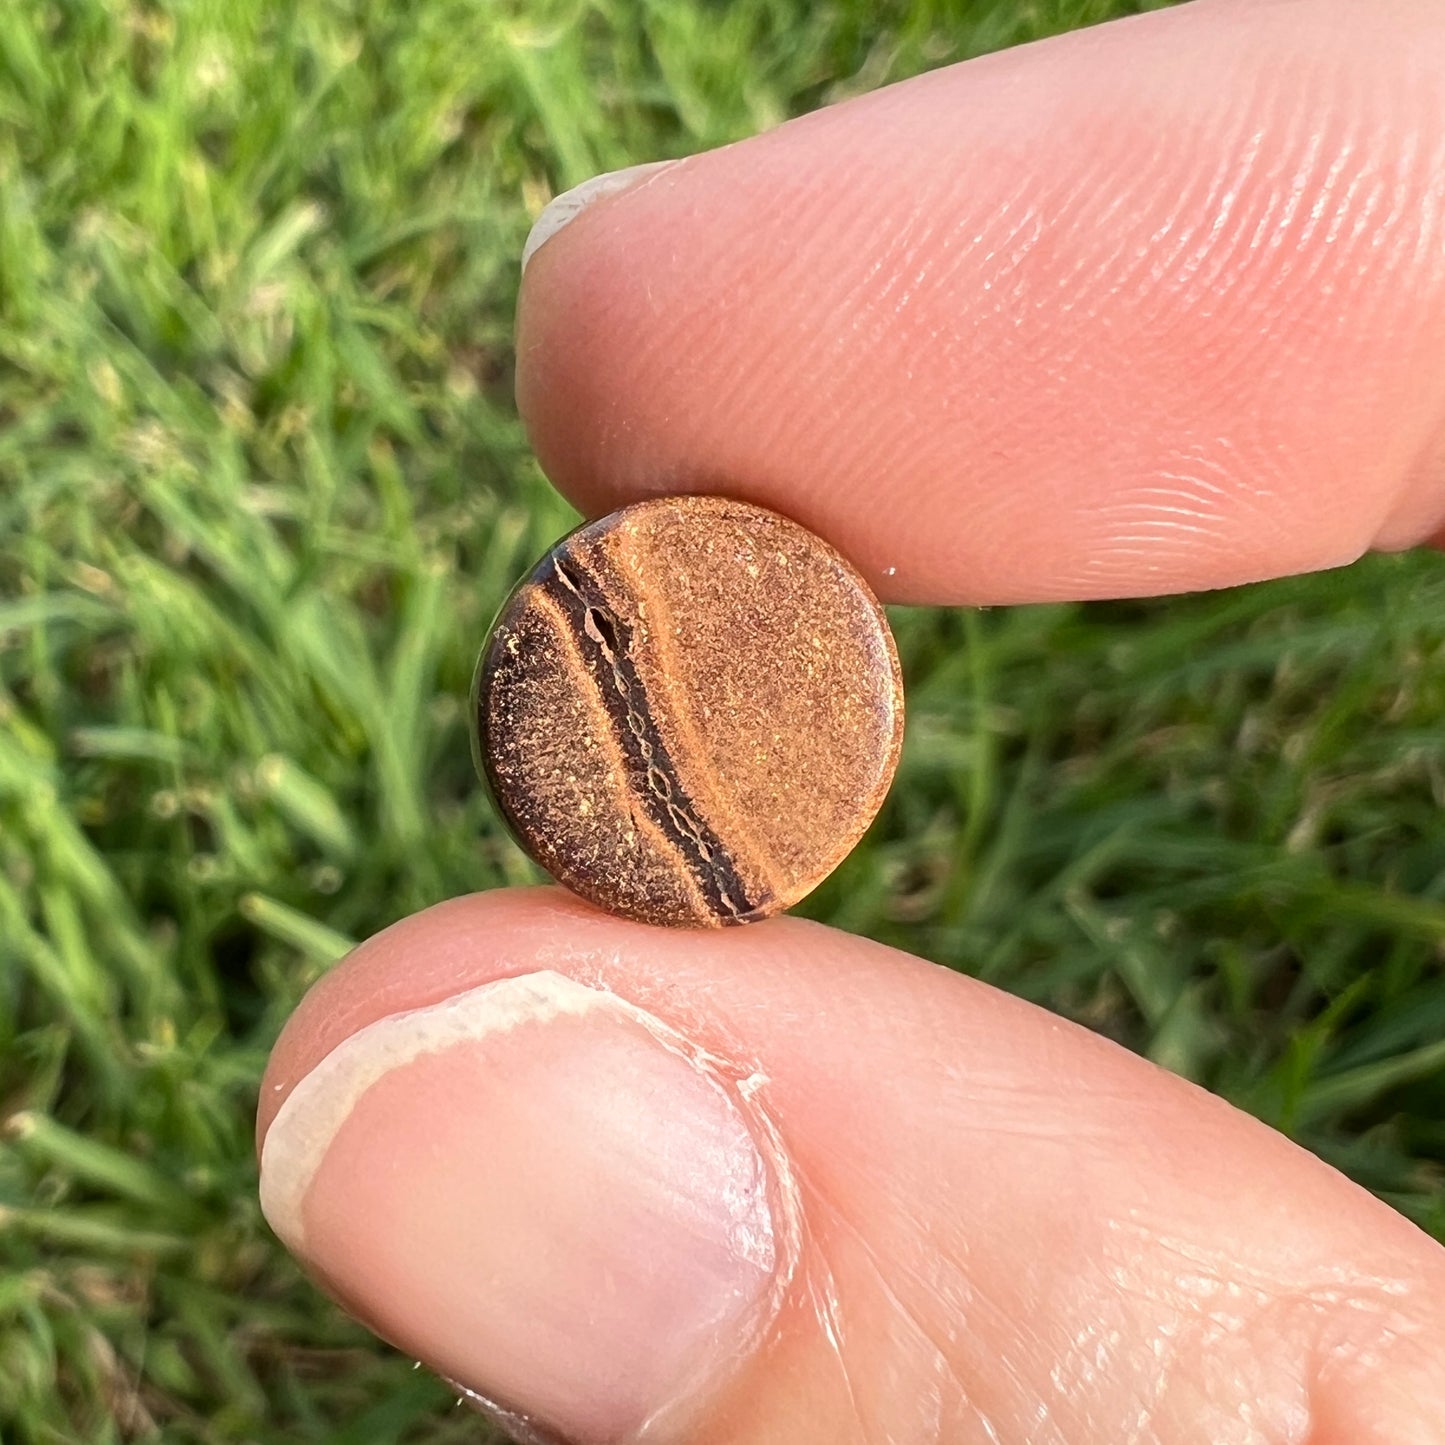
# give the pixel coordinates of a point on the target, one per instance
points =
(1146, 308)
(1013, 1230)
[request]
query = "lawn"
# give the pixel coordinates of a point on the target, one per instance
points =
(262, 486)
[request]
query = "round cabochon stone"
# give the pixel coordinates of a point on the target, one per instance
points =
(690, 711)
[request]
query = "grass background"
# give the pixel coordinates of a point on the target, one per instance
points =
(261, 487)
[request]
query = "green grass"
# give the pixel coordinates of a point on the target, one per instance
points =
(261, 487)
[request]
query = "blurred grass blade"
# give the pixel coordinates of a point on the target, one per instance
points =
(1365, 1085)
(43, 1140)
(308, 805)
(317, 942)
(91, 1229)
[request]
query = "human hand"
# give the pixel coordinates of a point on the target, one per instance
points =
(1154, 307)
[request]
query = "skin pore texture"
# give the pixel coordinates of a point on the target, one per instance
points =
(1153, 307)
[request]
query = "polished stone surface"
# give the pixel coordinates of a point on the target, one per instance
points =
(690, 711)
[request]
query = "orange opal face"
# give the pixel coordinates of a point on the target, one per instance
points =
(690, 711)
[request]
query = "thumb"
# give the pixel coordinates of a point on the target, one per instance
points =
(782, 1184)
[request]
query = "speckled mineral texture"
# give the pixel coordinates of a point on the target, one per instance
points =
(690, 711)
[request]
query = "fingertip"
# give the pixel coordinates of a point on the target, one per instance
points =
(469, 1141)
(1143, 309)
(419, 961)
(561, 211)
(776, 1182)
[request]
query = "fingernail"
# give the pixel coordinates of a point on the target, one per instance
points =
(570, 204)
(542, 1192)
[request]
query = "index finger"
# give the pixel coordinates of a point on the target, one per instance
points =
(1148, 308)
